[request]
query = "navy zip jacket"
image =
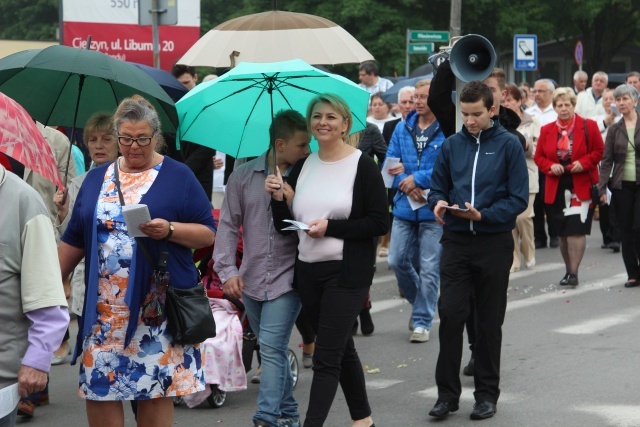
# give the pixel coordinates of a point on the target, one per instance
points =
(489, 172)
(403, 145)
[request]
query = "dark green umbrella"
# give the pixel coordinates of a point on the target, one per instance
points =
(64, 86)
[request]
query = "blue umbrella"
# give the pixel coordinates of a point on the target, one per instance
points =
(391, 95)
(170, 84)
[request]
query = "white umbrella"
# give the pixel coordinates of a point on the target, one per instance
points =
(275, 36)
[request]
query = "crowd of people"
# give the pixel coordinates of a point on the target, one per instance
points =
(525, 157)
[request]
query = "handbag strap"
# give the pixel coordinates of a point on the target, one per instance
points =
(164, 255)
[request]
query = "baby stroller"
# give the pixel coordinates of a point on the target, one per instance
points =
(228, 356)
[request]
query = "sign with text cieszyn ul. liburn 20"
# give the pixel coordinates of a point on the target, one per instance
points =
(525, 52)
(114, 30)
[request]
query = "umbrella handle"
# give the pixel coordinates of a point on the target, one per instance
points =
(232, 58)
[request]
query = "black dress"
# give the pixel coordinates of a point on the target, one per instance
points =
(570, 215)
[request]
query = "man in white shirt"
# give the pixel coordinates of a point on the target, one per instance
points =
(589, 102)
(544, 112)
(580, 79)
(370, 80)
(543, 108)
(633, 79)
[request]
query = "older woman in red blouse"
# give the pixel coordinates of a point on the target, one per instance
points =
(568, 153)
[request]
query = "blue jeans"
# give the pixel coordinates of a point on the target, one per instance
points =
(272, 321)
(9, 420)
(414, 256)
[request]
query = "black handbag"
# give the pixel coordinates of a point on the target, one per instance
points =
(189, 316)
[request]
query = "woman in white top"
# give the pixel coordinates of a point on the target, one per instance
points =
(379, 111)
(523, 233)
(340, 194)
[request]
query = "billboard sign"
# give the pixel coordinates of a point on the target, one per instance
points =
(114, 30)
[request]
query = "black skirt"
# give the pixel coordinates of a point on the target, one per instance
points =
(571, 216)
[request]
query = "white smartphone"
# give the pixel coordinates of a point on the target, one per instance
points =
(614, 110)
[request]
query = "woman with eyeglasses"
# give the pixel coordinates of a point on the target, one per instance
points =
(568, 153)
(620, 172)
(124, 358)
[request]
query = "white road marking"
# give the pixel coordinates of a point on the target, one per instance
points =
(387, 304)
(537, 269)
(380, 384)
(554, 293)
(467, 395)
(567, 293)
(600, 324)
(614, 415)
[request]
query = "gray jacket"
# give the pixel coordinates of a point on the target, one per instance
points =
(615, 153)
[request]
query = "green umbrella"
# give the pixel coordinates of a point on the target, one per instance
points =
(233, 112)
(64, 86)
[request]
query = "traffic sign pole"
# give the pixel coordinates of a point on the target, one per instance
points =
(406, 51)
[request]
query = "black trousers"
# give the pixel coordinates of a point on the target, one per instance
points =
(540, 210)
(608, 224)
(479, 265)
(332, 310)
(626, 202)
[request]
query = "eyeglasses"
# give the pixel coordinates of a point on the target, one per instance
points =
(142, 141)
(541, 91)
(421, 97)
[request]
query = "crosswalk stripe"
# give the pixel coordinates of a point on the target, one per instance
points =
(552, 293)
(613, 415)
(467, 394)
(381, 384)
(600, 324)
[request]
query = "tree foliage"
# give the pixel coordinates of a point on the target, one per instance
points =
(28, 20)
(604, 26)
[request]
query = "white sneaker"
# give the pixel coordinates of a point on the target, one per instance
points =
(419, 334)
(531, 264)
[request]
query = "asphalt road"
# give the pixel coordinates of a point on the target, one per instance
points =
(570, 358)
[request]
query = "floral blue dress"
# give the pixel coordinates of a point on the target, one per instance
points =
(151, 366)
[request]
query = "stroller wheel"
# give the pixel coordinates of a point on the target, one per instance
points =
(217, 397)
(293, 363)
(178, 400)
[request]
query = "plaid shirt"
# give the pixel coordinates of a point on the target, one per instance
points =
(269, 257)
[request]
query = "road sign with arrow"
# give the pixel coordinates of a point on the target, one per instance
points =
(525, 52)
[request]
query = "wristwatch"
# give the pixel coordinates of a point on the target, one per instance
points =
(171, 228)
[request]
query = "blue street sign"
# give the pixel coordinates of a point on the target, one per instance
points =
(525, 52)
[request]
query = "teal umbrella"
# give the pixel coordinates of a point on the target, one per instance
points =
(64, 86)
(233, 112)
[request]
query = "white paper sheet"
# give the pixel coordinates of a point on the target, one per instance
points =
(386, 176)
(134, 215)
(296, 225)
(9, 399)
(415, 205)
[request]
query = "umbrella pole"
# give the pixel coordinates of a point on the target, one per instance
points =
(271, 128)
(73, 136)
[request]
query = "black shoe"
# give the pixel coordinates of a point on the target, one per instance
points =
(604, 246)
(483, 410)
(442, 409)
(366, 323)
(631, 284)
(470, 369)
(572, 280)
(554, 242)
(615, 246)
(540, 245)
(565, 280)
